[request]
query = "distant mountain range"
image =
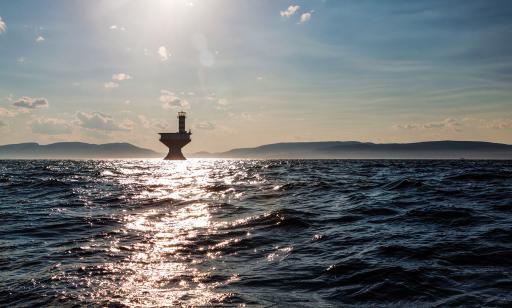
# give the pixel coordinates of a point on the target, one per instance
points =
(328, 149)
(77, 150)
(368, 150)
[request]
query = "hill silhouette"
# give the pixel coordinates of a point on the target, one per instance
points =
(79, 150)
(367, 150)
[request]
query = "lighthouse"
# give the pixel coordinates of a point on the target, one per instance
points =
(175, 141)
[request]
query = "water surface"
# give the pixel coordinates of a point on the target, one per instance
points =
(256, 233)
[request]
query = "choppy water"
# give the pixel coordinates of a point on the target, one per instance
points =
(259, 233)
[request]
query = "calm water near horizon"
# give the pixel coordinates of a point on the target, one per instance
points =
(312, 233)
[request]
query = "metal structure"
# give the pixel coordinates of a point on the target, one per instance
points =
(176, 141)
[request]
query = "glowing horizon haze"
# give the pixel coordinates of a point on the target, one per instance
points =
(255, 72)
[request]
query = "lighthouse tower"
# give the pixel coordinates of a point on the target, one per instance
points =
(175, 141)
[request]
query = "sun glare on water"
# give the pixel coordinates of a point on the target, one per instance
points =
(162, 262)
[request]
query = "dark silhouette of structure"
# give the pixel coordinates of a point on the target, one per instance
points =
(175, 141)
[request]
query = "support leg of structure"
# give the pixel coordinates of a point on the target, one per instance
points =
(175, 154)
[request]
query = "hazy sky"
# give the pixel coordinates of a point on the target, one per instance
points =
(254, 72)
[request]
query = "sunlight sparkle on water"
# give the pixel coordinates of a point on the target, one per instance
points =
(156, 271)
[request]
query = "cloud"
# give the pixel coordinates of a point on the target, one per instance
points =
(40, 39)
(152, 123)
(406, 126)
(497, 123)
(171, 101)
(144, 121)
(116, 77)
(223, 102)
(205, 125)
(49, 126)
(111, 85)
(244, 116)
(31, 103)
(163, 53)
(3, 26)
(116, 27)
(98, 121)
(121, 77)
(448, 123)
(305, 17)
(21, 60)
(457, 125)
(292, 9)
(433, 125)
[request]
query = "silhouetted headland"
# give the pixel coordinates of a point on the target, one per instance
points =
(368, 150)
(76, 150)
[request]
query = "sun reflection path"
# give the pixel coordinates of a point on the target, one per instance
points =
(167, 267)
(176, 234)
(159, 273)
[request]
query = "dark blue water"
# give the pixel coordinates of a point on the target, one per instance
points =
(259, 233)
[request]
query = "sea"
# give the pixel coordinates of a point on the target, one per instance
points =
(255, 233)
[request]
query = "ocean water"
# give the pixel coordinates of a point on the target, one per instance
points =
(311, 233)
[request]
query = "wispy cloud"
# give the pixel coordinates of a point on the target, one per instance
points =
(31, 103)
(245, 116)
(121, 77)
(407, 126)
(3, 26)
(305, 17)
(292, 9)
(116, 27)
(116, 77)
(448, 123)
(170, 101)
(163, 53)
(152, 123)
(98, 121)
(111, 85)
(40, 39)
(495, 124)
(222, 104)
(49, 126)
(205, 125)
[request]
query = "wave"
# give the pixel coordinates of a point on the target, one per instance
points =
(280, 219)
(481, 176)
(258, 233)
(403, 184)
(452, 216)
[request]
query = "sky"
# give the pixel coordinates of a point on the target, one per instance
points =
(255, 72)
